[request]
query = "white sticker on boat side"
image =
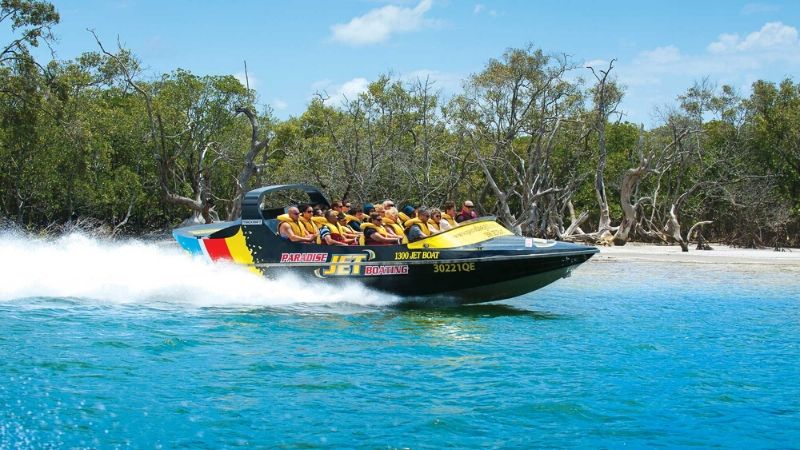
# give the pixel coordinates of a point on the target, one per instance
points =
(251, 222)
(543, 243)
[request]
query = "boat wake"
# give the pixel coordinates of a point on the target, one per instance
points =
(84, 268)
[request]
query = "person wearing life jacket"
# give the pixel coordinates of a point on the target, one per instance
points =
(350, 235)
(392, 223)
(357, 218)
(337, 206)
(329, 233)
(448, 220)
(291, 229)
(467, 212)
(434, 223)
(418, 226)
(307, 221)
(368, 208)
(375, 233)
(406, 214)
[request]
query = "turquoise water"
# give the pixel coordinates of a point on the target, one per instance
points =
(135, 345)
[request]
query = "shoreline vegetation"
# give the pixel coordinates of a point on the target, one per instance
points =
(533, 138)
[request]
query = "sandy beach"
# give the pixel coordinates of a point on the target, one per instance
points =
(721, 254)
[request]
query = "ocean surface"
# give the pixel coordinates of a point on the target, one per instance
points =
(136, 345)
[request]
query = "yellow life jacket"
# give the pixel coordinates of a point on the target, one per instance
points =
(336, 231)
(434, 225)
(350, 218)
(310, 227)
(398, 229)
(423, 226)
(449, 220)
(403, 217)
(362, 240)
(296, 227)
(346, 229)
(319, 221)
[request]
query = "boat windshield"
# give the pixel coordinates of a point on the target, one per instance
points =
(275, 203)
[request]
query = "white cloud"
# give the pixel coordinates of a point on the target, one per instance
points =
(773, 36)
(351, 89)
(774, 45)
(661, 55)
(447, 82)
(379, 24)
(246, 78)
(339, 93)
(480, 8)
(279, 104)
(656, 76)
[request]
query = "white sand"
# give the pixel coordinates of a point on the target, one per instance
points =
(721, 254)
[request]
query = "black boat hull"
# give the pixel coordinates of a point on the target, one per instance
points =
(478, 261)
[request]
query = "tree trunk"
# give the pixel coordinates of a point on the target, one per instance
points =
(249, 169)
(673, 229)
(629, 182)
(599, 183)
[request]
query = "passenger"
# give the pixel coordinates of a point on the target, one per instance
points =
(291, 229)
(368, 208)
(387, 204)
(337, 206)
(329, 233)
(390, 222)
(418, 227)
(346, 207)
(407, 213)
(356, 219)
(448, 216)
(379, 209)
(350, 235)
(306, 219)
(434, 224)
(318, 211)
(376, 234)
(467, 212)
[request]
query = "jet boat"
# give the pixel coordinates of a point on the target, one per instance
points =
(478, 261)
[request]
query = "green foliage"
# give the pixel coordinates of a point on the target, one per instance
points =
(86, 138)
(775, 131)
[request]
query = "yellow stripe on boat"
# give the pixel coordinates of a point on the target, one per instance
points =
(239, 251)
(466, 234)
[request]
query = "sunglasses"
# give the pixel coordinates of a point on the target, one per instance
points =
(391, 205)
(309, 211)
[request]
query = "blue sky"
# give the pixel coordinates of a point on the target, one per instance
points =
(296, 48)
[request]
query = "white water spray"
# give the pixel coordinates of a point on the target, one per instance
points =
(81, 267)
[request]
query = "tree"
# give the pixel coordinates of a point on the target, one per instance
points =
(511, 115)
(29, 21)
(187, 115)
(606, 96)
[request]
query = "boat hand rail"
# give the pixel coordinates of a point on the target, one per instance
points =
(251, 203)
